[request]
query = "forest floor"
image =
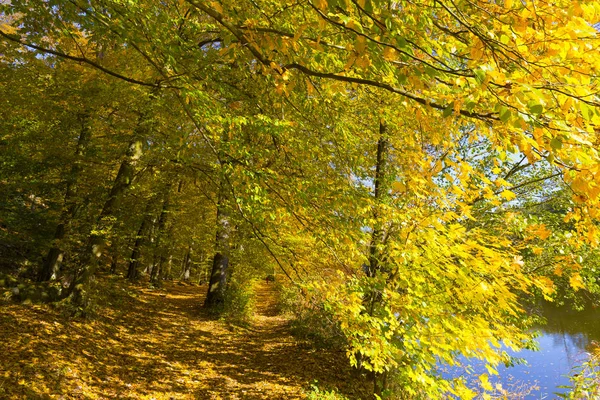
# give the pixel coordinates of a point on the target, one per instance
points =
(159, 344)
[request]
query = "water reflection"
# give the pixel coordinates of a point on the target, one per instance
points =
(580, 329)
(563, 343)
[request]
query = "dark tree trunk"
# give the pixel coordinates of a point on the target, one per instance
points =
(158, 270)
(381, 193)
(220, 266)
(376, 254)
(186, 267)
(50, 269)
(376, 251)
(114, 258)
(134, 262)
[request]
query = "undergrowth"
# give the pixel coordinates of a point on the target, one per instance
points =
(316, 393)
(310, 320)
(240, 301)
(585, 379)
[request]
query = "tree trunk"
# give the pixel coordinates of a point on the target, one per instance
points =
(134, 262)
(187, 265)
(374, 266)
(376, 252)
(97, 238)
(167, 275)
(114, 258)
(381, 192)
(220, 266)
(160, 248)
(50, 268)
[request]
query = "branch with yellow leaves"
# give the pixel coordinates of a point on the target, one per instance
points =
(239, 34)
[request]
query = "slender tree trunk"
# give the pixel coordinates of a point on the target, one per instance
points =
(114, 258)
(134, 262)
(97, 239)
(374, 266)
(187, 265)
(167, 275)
(51, 266)
(381, 192)
(220, 266)
(160, 249)
(376, 251)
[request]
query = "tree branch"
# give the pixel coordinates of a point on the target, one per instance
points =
(85, 60)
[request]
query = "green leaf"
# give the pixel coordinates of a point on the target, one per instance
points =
(556, 143)
(430, 71)
(504, 114)
(402, 43)
(448, 110)
(535, 108)
(480, 75)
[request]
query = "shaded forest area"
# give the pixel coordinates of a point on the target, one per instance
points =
(215, 199)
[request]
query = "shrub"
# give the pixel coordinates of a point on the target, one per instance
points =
(585, 379)
(314, 393)
(310, 319)
(239, 300)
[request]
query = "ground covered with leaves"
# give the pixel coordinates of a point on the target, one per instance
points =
(159, 344)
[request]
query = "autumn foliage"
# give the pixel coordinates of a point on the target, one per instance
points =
(416, 170)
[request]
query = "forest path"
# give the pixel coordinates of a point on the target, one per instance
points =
(159, 344)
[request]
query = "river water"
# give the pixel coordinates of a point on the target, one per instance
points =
(563, 344)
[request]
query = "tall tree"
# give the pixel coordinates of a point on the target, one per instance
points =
(51, 266)
(78, 290)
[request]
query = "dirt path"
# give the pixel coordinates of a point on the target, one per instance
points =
(159, 345)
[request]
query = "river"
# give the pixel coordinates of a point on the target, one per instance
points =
(563, 344)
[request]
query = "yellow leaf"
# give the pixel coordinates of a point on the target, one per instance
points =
(546, 285)
(217, 6)
(7, 28)
(491, 369)
(540, 231)
(389, 54)
(576, 282)
(398, 186)
(558, 271)
(485, 382)
(361, 45)
(508, 195)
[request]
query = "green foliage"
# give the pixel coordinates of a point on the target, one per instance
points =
(240, 301)
(311, 320)
(585, 380)
(316, 393)
(288, 297)
(85, 306)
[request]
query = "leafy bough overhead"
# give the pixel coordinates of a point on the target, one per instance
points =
(488, 60)
(526, 69)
